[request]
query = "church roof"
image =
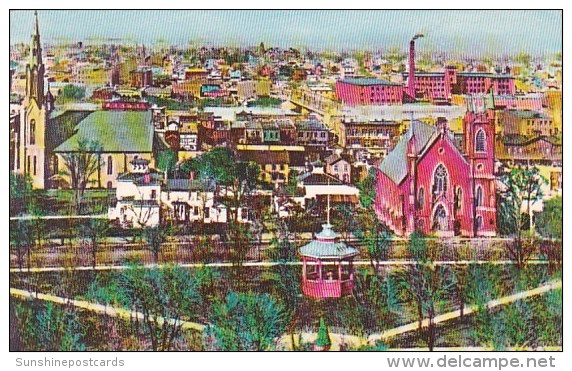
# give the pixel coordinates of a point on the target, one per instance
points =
(116, 131)
(395, 163)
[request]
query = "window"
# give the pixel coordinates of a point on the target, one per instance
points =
(244, 214)
(32, 132)
(56, 164)
(34, 165)
(440, 220)
(440, 181)
(28, 165)
(153, 194)
(479, 199)
(109, 185)
(421, 197)
(207, 212)
(480, 141)
(458, 199)
(479, 222)
(109, 165)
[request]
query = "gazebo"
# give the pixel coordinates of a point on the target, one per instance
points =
(327, 270)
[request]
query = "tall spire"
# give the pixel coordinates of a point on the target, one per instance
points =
(36, 47)
(35, 68)
(37, 27)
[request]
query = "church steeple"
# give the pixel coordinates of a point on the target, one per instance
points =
(36, 47)
(35, 68)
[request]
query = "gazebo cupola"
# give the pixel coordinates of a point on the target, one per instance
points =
(327, 265)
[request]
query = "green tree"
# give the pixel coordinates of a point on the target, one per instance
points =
(22, 242)
(283, 249)
(251, 322)
(93, 231)
(323, 341)
(375, 237)
(344, 220)
(549, 221)
(238, 178)
(70, 93)
(367, 188)
(523, 184)
(378, 299)
(163, 296)
(80, 165)
(240, 241)
(48, 327)
(426, 284)
(155, 237)
(20, 193)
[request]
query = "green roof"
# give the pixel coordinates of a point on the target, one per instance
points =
(326, 246)
(395, 163)
(116, 131)
(367, 82)
(529, 114)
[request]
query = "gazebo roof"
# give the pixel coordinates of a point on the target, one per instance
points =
(325, 246)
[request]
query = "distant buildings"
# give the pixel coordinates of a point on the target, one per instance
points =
(141, 77)
(526, 122)
(368, 137)
(367, 91)
(439, 86)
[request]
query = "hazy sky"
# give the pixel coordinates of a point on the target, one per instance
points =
(471, 32)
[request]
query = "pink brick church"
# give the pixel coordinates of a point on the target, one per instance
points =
(429, 184)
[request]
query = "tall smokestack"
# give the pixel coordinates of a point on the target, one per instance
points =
(411, 79)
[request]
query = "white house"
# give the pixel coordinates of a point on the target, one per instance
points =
(193, 201)
(138, 195)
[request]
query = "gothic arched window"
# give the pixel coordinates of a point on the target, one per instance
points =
(458, 199)
(479, 222)
(479, 200)
(109, 165)
(480, 145)
(421, 198)
(440, 220)
(32, 132)
(440, 180)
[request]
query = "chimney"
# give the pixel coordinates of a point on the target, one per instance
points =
(442, 124)
(411, 78)
(147, 178)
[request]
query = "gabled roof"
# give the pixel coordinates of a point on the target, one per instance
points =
(189, 185)
(395, 163)
(318, 179)
(265, 157)
(116, 131)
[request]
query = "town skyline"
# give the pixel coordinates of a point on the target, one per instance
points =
(471, 33)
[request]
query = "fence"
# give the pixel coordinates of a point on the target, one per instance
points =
(188, 250)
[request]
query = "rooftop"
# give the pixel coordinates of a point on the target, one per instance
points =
(368, 82)
(185, 184)
(528, 114)
(325, 246)
(116, 131)
(318, 179)
(395, 163)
